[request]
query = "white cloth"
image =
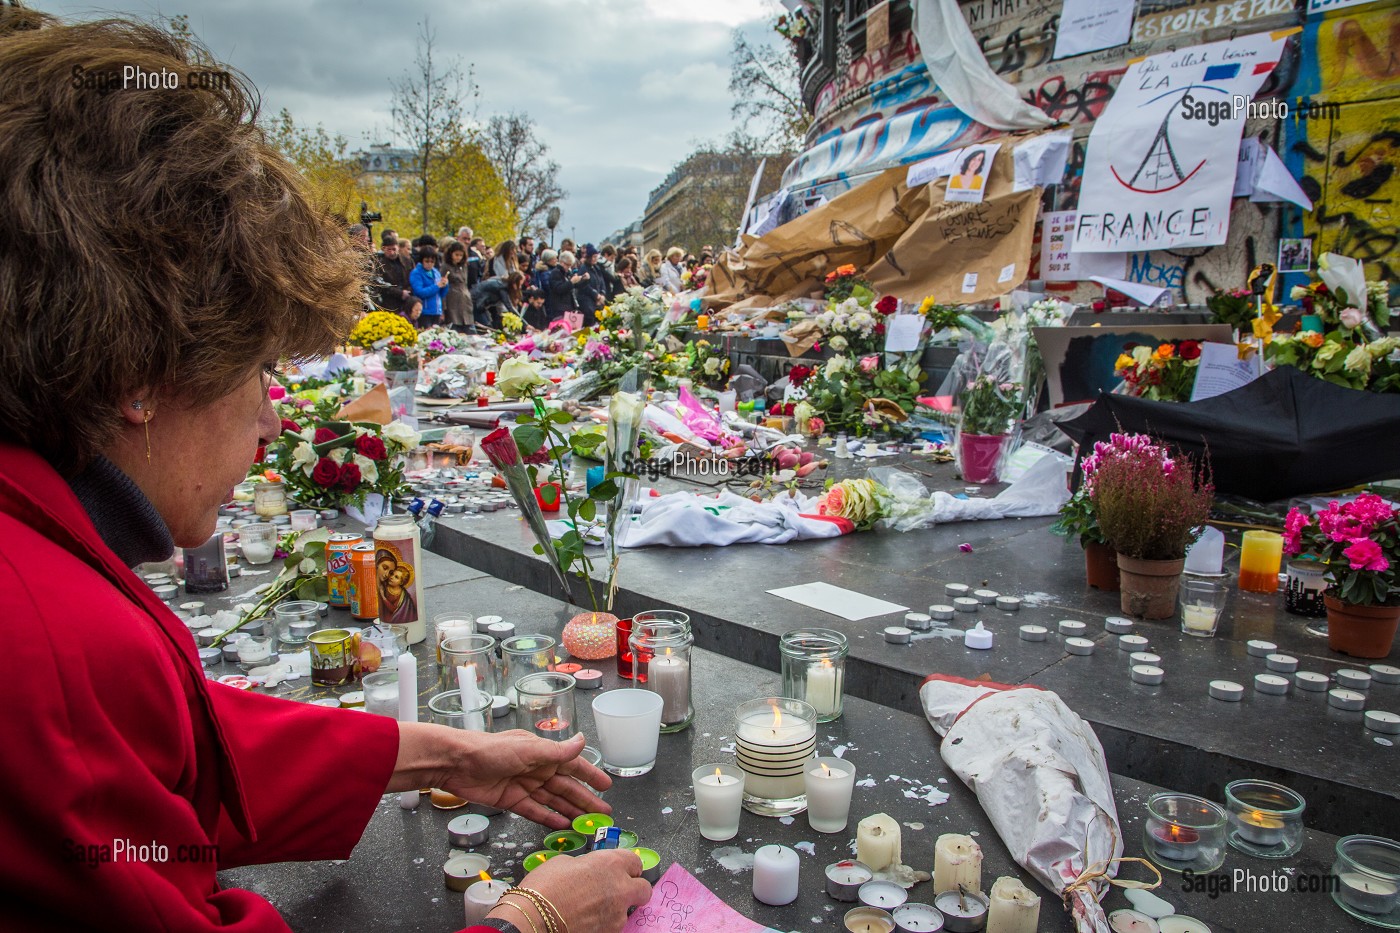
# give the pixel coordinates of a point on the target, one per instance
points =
(683, 519)
(956, 64)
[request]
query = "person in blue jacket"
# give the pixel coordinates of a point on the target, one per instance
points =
(429, 287)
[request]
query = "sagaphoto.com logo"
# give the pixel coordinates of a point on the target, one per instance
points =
(136, 78)
(1239, 106)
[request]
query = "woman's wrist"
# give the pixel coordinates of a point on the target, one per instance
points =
(426, 753)
(522, 910)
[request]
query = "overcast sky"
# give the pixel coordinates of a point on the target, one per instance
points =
(620, 89)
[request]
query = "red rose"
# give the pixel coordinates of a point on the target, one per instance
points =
(789, 408)
(887, 305)
(799, 374)
(323, 435)
(879, 328)
(371, 447)
(326, 473)
(1189, 349)
(289, 425)
(349, 478)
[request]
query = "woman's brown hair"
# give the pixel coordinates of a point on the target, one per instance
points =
(133, 247)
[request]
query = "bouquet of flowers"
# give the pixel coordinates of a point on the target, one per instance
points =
(628, 337)
(332, 464)
(440, 341)
(989, 407)
(1149, 504)
(695, 279)
(708, 364)
(380, 326)
(1166, 374)
(400, 359)
(1359, 540)
(856, 500)
(842, 282)
(512, 325)
(1235, 308)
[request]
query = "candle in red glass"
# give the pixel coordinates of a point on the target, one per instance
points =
(624, 648)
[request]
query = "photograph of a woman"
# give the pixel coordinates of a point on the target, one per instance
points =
(973, 166)
(969, 175)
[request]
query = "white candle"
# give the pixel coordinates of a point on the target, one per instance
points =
(669, 676)
(775, 870)
(957, 860)
(824, 687)
(1130, 921)
(1176, 923)
(830, 783)
(408, 712)
(469, 693)
(1198, 618)
(878, 842)
(719, 797)
(770, 740)
(1260, 828)
(1367, 893)
(1015, 907)
(918, 918)
(481, 898)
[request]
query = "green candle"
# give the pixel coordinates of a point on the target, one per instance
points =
(565, 841)
(536, 859)
(628, 839)
(650, 858)
(590, 823)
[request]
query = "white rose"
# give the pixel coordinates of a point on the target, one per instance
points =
(712, 366)
(1298, 293)
(339, 454)
(835, 366)
(1358, 361)
(401, 434)
(304, 456)
(838, 343)
(369, 472)
(518, 376)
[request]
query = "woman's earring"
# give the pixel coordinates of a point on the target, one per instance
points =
(146, 425)
(136, 404)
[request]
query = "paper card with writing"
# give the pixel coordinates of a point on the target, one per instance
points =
(1221, 370)
(967, 181)
(902, 332)
(969, 283)
(1090, 25)
(1163, 157)
(1042, 160)
(680, 902)
(932, 169)
(1058, 264)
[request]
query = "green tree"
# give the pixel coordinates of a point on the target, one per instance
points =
(463, 188)
(323, 160)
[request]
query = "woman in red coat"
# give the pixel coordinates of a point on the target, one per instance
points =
(139, 310)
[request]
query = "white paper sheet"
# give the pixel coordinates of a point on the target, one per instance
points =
(1276, 182)
(848, 604)
(1221, 370)
(902, 332)
(1090, 25)
(1058, 264)
(1146, 294)
(1041, 161)
(921, 173)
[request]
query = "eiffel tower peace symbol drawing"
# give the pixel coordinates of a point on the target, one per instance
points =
(1160, 170)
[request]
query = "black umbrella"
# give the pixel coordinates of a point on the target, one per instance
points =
(1285, 434)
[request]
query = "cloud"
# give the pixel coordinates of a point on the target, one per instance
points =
(619, 89)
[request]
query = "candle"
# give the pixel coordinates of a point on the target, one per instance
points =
(463, 869)
(898, 635)
(467, 831)
(830, 783)
(1367, 893)
(651, 861)
(1381, 721)
(963, 911)
(1271, 684)
(1130, 921)
(957, 861)
(883, 894)
(965, 604)
(775, 872)
(955, 589)
(878, 842)
(985, 597)
(1260, 649)
(1132, 643)
(824, 687)
(481, 898)
(719, 797)
(868, 920)
(1117, 625)
(1015, 907)
(565, 840)
(1385, 673)
(408, 712)
(570, 669)
(843, 879)
(1353, 680)
(1226, 690)
(1033, 632)
(554, 728)
(590, 823)
(1175, 843)
(1072, 627)
(536, 859)
(1176, 923)
(917, 918)
(1198, 618)
(773, 751)
(1281, 663)
(1259, 828)
(1261, 555)
(978, 637)
(1079, 646)
(1147, 674)
(1352, 700)
(588, 679)
(669, 676)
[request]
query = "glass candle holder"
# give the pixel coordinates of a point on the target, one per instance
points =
(304, 519)
(1266, 819)
(1307, 581)
(1202, 606)
(255, 651)
(661, 664)
(624, 648)
(296, 620)
(719, 798)
(830, 783)
(522, 655)
(258, 542)
(382, 693)
(814, 669)
(1367, 873)
(474, 653)
(446, 710)
(451, 625)
(629, 729)
(1184, 832)
(270, 499)
(546, 701)
(775, 738)
(206, 569)
(1261, 555)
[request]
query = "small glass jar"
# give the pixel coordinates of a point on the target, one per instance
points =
(296, 620)
(470, 651)
(546, 701)
(1202, 606)
(206, 570)
(451, 625)
(1307, 581)
(1185, 832)
(258, 542)
(1367, 880)
(270, 499)
(256, 651)
(446, 710)
(661, 663)
(814, 669)
(522, 655)
(624, 648)
(1266, 819)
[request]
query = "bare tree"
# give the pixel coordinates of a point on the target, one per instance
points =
(765, 84)
(523, 162)
(428, 106)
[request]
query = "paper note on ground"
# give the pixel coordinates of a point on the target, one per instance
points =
(1221, 370)
(680, 902)
(903, 332)
(848, 604)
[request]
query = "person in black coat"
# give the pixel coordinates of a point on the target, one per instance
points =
(591, 292)
(493, 297)
(389, 278)
(559, 289)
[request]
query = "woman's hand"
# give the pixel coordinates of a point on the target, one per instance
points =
(591, 892)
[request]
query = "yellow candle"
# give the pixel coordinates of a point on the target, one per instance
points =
(1261, 555)
(957, 860)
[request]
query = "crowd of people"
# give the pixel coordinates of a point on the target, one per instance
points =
(465, 284)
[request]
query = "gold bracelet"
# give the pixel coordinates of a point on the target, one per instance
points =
(521, 911)
(537, 902)
(541, 903)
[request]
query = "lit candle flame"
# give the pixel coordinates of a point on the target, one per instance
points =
(486, 876)
(719, 776)
(826, 772)
(668, 652)
(826, 663)
(777, 718)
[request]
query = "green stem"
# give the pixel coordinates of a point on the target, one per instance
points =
(275, 594)
(557, 439)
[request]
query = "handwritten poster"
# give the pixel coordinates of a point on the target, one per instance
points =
(1058, 264)
(1163, 157)
(679, 902)
(1090, 25)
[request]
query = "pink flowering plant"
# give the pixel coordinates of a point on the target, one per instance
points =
(1149, 504)
(1077, 517)
(1360, 541)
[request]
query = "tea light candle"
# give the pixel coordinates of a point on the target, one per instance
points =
(1079, 646)
(963, 911)
(468, 831)
(500, 706)
(464, 869)
(1367, 893)
(1015, 908)
(830, 783)
(957, 860)
(918, 621)
(1130, 921)
(351, 700)
(1175, 843)
(1072, 627)
(955, 589)
(1381, 721)
(166, 591)
(1311, 682)
(192, 608)
(1147, 674)
(1144, 657)
(1198, 617)
(589, 823)
(1033, 632)
(898, 635)
(1176, 923)
(208, 657)
(1132, 643)
(917, 918)
(651, 862)
(588, 679)
(1226, 690)
(1281, 663)
(1009, 603)
(940, 612)
(843, 880)
(1349, 700)
(985, 597)
(775, 874)
(1271, 684)
(566, 840)
(965, 604)
(978, 638)
(1258, 827)
(570, 669)
(1353, 679)
(498, 630)
(1117, 625)
(883, 894)
(1260, 649)
(719, 797)
(536, 859)
(1385, 673)
(481, 898)
(205, 637)
(868, 920)
(878, 842)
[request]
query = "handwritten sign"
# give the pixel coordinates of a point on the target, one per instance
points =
(1058, 264)
(681, 904)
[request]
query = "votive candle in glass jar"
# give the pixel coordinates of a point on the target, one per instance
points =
(775, 738)
(522, 655)
(661, 663)
(469, 655)
(296, 620)
(719, 798)
(546, 701)
(304, 519)
(1307, 582)
(1202, 605)
(1185, 832)
(270, 499)
(624, 648)
(830, 783)
(255, 651)
(258, 542)
(1367, 873)
(814, 669)
(382, 693)
(1266, 819)
(1261, 554)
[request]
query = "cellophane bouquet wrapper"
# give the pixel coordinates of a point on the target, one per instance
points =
(500, 448)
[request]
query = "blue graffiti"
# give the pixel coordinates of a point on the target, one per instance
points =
(1146, 270)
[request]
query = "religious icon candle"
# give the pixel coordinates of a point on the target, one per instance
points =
(830, 783)
(1015, 908)
(957, 860)
(878, 842)
(719, 797)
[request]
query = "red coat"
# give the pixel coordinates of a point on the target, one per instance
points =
(112, 734)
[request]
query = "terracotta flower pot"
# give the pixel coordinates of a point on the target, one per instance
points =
(1361, 631)
(591, 636)
(1149, 587)
(978, 455)
(1101, 566)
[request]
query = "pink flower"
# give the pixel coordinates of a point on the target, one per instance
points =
(276, 393)
(868, 364)
(1293, 531)
(1351, 317)
(833, 503)
(815, 426)
(1365, 554)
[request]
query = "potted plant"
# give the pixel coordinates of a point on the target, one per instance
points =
(988, 407)
(1077, 520)
(1149, 507)
(1360, 541)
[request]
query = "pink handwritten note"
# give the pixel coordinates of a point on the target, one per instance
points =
(681, 904)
